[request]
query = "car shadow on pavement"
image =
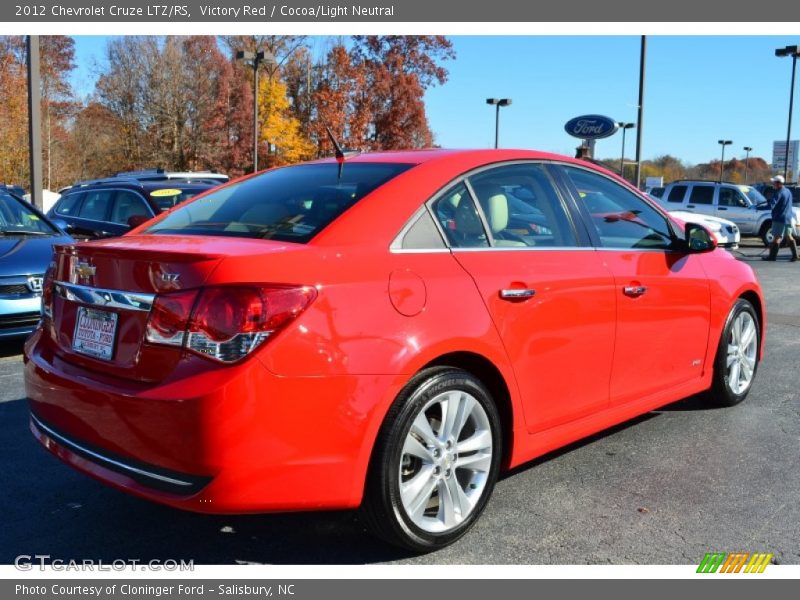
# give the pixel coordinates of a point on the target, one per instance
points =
(50, 509)
(576, 445)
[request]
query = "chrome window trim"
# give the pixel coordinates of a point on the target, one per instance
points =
(103, 298)
(481, 215)
(419, 250)
(104, 459)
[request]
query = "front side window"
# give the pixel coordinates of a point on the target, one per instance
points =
(127, 205)
(702, 194)
(732, 197)
(291, 204)
(170, 197)
(621, 218)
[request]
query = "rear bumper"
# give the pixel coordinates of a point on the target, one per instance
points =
(226, 440)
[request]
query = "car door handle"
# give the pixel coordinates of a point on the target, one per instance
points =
(721, 208)
(517, 293)
(690, 206)
(634, 291)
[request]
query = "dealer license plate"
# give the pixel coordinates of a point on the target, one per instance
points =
(94, 333)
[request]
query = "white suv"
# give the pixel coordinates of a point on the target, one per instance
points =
(742, 204)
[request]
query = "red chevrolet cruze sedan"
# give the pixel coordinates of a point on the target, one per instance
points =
(386, 332)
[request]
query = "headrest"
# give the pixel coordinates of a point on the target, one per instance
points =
(497, 212)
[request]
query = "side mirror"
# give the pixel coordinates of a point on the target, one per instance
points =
(137, 220)
(699, 239)
(60, 223)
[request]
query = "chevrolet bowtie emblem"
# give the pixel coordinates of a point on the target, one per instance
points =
(85, 270)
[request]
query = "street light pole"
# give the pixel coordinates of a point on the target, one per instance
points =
(748, 150)
(640, 116)
(254, 59)
(794, 52)
(624, 127)
(723, 143)
(497, 102)
(34, 120)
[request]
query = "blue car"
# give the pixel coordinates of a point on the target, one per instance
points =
(26, 245)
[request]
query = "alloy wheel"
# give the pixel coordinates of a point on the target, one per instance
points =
(445, 461)
(742, 351)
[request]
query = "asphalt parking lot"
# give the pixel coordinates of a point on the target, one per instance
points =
(663, 489)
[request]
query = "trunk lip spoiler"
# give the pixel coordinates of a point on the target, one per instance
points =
(105, 298)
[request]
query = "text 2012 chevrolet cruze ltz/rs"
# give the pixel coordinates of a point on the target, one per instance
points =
(385, 332)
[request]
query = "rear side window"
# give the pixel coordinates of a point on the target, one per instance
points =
(95, 205)
(459, 218)
(291, 204)
(69, 205)
(702, 194)
(677, 193)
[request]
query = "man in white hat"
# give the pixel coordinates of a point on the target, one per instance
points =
(781, 205)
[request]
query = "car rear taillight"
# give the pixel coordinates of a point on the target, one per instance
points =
(169, 318)
(47, 291)
(225, 323)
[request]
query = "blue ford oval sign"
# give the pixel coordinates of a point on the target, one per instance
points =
(591, 127)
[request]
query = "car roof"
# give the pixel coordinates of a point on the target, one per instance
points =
(148, 186)
(478, 156)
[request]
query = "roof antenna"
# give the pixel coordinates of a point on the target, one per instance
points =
(338, 152)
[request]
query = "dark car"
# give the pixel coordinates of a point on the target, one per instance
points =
(112, 206)
(768, 191)
(26, 247)
(10, 188)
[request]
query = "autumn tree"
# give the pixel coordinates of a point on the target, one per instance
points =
(280, 128)
(398, 70)
(341, 101)
(182, 104)
(58, 106)
(57, 61)
(13, 118)
(95, 142)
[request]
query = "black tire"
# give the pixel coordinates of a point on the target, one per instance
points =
(721, 393)
(382, 509)
(766, 233)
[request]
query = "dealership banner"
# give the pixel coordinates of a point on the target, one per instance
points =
(397, 589)
(260, 11)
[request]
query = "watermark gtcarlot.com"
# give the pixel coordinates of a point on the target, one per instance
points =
(42, 562)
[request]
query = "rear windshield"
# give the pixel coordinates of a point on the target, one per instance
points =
(290, 204)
